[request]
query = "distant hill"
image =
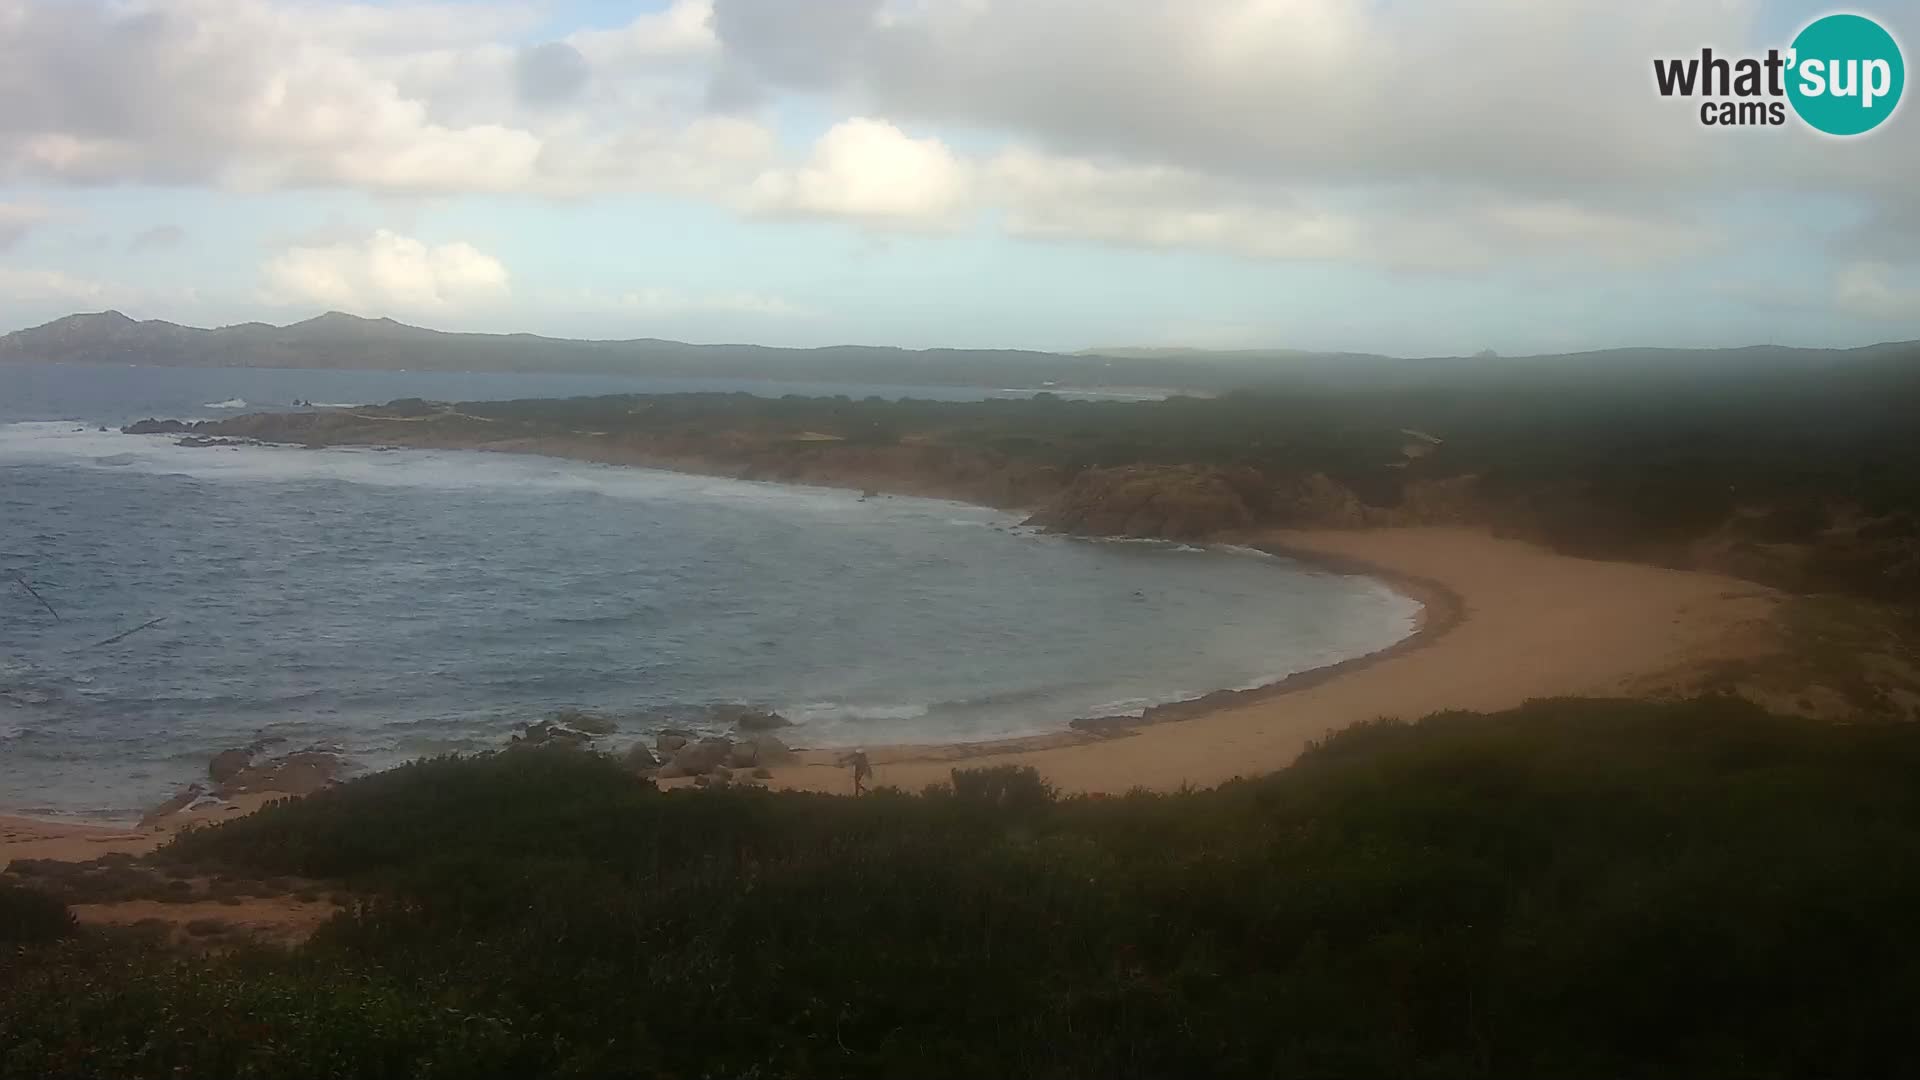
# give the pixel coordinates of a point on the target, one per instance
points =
(337, 340)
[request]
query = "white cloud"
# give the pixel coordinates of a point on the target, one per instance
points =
(26, 285)
(1874, 290)
(1159, 207)
(684, 29)
(265, 94)
(385, 272)
(18, 219)
(871, 171)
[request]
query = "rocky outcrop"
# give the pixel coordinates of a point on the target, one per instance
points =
(300, 773)
(548, 733)
(759, 752)
(227, 764)
(1170, 502)
(150, 426)
(702, 757)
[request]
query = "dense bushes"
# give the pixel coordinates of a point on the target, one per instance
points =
(1573, 888)
(1641, 466)
(28, 916)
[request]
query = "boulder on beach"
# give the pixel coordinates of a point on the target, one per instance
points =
(670, 742)
(300, 773)
(703, 757)
(227, 764)
(640, 758)
(759, 750)
(585, 722)
(548, 733)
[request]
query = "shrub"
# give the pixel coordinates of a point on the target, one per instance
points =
(1010, 787)
(29, 916)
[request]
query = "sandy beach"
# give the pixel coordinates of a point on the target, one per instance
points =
(1505, 622)
(1508, 622)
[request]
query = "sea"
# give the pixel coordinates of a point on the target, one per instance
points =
(161, 603)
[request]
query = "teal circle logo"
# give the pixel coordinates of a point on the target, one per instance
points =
(1846, 75)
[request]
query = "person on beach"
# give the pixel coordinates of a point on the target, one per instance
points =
(862, 769)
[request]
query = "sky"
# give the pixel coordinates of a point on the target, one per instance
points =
(1416, 177)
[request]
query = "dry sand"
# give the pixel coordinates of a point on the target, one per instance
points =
(1508, 622)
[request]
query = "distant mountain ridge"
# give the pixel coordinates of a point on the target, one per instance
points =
(337, 340)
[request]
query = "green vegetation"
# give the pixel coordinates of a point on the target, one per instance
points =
(1807, 479)
(1575, 888)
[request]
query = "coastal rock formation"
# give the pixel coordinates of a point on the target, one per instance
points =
(1170, 502)
(761, 751)
(548, 733)
(300, 773)
(702, 757)
(150, 426)
(228, 764)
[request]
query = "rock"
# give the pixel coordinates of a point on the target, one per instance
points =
(1173, 502)
(668, 742)
(721, 772)
(165, 810)
(640, 758)
(300, 773)
(702, 757)
(547, 733)
(670, 772)
(763, 773)
(768, 750)
(228, 764)
(742, 756)
(585, 722)
(151, 426)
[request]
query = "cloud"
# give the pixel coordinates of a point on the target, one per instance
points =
(26, 285)
(1158, 207)
(1544, 106)
(17, 220)
(1525, 91)
(259, 94)
(871, 171)
(683, 30)
(385, 272)
(158, 238)
(1874, 290)
(551, 73)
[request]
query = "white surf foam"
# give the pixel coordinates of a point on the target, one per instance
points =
(230, 403)
(64, 443)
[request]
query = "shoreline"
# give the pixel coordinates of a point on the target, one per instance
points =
(1444, 609)
(1597, 629)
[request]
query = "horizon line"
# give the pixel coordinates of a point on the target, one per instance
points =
(1089, 352)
